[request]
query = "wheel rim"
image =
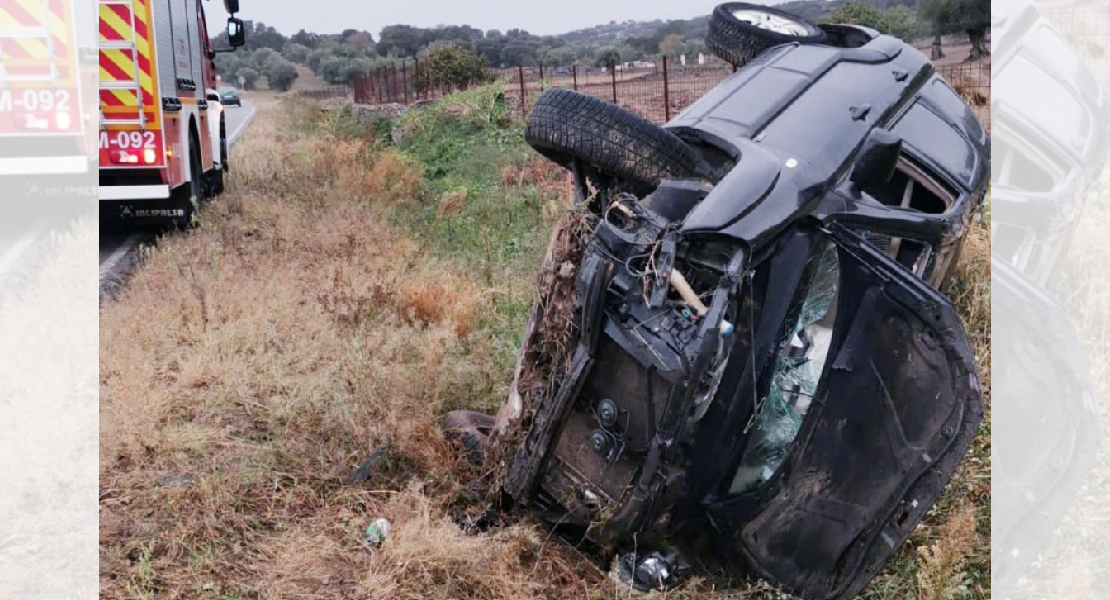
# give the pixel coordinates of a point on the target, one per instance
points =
(772, 22)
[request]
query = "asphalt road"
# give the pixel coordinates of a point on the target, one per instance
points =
(118, 245)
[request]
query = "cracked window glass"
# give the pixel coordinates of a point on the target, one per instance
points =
(802, 352)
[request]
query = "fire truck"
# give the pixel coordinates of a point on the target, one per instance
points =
(160, 150)
(41, 123)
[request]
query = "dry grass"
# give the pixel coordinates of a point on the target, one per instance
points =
(265, 355)
(48, 422)
(299, 330)
(941, 570)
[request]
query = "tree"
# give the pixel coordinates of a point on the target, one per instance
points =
(519, 54)
(334, 69)
(296, 52)
(857, 13)
(280, 74)
(952, 16)
(356, 69)
(317, 57)
(902, 22)
(360, 40)
(249, 75)
(262, 56)
(672, 45)
(259, 35)
(228, 65)
(457, 65)
(608, 57)
(305, 38)
(897, 21)
(400, 40)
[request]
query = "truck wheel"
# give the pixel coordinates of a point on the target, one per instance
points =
(738, 31)
(566, 125)
(189, 202)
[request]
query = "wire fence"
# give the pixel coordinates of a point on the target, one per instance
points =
(406, 82)
(327, 91)
(657, 91)
(1087, 29)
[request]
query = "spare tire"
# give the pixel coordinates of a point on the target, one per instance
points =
(566, 125)
(738, 31)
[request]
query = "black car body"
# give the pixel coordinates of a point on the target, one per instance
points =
(1051, 136)
(754, 364)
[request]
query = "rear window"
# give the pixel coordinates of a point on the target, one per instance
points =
(928, 135)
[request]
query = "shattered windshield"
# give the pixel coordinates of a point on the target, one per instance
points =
(802, 351)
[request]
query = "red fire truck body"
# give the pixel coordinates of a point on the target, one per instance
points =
(41, 123)
(158, 157)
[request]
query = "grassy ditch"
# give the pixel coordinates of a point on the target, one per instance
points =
(362, 276)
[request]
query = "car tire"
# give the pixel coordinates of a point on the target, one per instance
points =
(216, 184)
(739, 32)
(566, 125)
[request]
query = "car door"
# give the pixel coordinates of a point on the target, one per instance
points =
(868, 405)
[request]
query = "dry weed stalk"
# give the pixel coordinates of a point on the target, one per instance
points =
(941, 571)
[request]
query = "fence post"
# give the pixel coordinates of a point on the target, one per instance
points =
(405, 79)
(574, 71)
(523, 98)
(393, 90)
(666, 91)
(541, 77)
(613, 72)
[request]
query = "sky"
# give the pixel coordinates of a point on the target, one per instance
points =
(541, 18)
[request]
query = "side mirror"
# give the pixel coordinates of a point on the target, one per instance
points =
(878, 158)
(236, 34)
(232, 6)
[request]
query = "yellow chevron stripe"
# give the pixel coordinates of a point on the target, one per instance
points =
(36, 48)
(115, 23)
(126, 98)
(58, 25)
(120, 58)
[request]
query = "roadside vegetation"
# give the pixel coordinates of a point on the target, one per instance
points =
(272, 382)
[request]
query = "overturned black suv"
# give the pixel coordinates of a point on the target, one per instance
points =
(738, 351)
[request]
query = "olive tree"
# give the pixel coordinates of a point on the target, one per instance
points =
(952, 16)
(280, 74)
(457, 65)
